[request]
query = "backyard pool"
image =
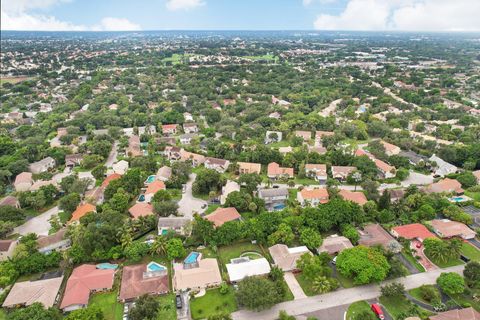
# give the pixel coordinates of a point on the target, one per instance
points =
(153, 267)
(150, 179)
(191, 258)
(107, 266)
(141, 198)
(279, 207)
(459, 199)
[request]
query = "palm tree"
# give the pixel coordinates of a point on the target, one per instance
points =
(159, 245)
(125, 235)
(455, 248)
(321, 284)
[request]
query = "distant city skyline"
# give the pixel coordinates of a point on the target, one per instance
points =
(128, 15)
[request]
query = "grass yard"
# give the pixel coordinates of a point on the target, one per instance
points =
(211, 208)
(474, 195)
(267, 57)
(107, 302)
(471, 252)
(279, 144)
(396, 306)
(3, 316)
(413, 261)
(213, 302)
(416, 294)
(444, 264)
(306, 181)
(344, 281)
(235, 250)
(357, 307)
(168, 309)
(305, 284)
(467, 299)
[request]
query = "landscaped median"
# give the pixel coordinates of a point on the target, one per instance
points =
(358, 310)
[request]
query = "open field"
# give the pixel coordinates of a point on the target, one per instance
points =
(14, 80)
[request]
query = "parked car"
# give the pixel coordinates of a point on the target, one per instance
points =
(178, 301)
(378, 311)
(334, 261)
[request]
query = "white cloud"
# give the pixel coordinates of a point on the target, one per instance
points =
(422, 15)
(308, 2)
(18, 15)
(174, 5)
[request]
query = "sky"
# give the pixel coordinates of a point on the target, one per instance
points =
(125, 15)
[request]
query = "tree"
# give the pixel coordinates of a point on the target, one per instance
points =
(146, 308)
(203, 229)
(256, 293)
(363, 264)
(451, 283)
(395, 289)
(120, 201)
(284, 234)
(207, 180)
(472, 274)
(322, 284)
(250, 181)
(159, 246)
(240, 200)
(69, 202)
(283, 315)
(175, 249)
(35, 311)
(365, 315)
(310, 238)
(351, 233)
(165, 208)
(89, 313)
(136, 250)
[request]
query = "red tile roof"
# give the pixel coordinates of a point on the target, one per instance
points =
(320, 194)
(141, 210)
(222, 215)
(155, 186)
(357, 197)
(110, 178)
(134, 284)
(82, 210)
(83, 280)
(413, 231)
(274, 169)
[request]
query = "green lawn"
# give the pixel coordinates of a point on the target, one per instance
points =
(3, 316)
(413, 261)
(396, 306)
(279, 144)
(211, 208)
(305, 284)
(344, 281)
(416, 294)
(235, 250)
(356, 308)
(168, 309)
(267, 57)
(474, 195)
(464, 300)
(107, 302)
(213, 302)
(471, 252)
(306, 181)
(444, 264)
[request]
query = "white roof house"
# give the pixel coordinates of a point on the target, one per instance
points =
(120, 167)
(443, 168)
(229, 187)
(240, 268)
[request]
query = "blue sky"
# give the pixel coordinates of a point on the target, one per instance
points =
(377, 15)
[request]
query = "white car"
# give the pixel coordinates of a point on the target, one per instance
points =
(334, 261)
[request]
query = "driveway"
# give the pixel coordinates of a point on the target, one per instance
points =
(342, 296)
(188, 205)
(424, 261)
(184, 313)
(294, 286)
(418, 179)
(39, 224)
(112, 157)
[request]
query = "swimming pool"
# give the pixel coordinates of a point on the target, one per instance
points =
(141, 198)
(191, 258)
(150, 179)
(164, 232)
(153, 267)
(107, 266)
(278, 207)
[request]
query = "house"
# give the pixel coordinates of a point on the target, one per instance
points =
(248, 167)
(81, 211)
(317, 149)
(312, 197)
(172, 153)
(274, 171)
(41, 183)
(42, 166)
(353, 196)
(274, 198)
(120, 167)
(153, 188)
(280, 102)
(457, 314)
(317, 172)
(390, 149)
(442, 168)
(305, 135)
(202, 274)
(396, 194)
(134, 149)
(222, 215)
(53, 242)
(7, 247)
(187, 116)
(448, 229)
(374, 235)
(164, 173)
(190, 127)
(240, 268)
(477, 175)
(140, 279)
(85, 280)
(219, 165)
(335, 244)
(320, 134)
(342, 172)
(172, 223)
(169, 129)
(273, 136)
(412, 231)
(110, 178)
(166, 140)
(10, 201)
(285, 150)
(228, 188)
(446, 185)
(286, 258)
(415, 159)
(141, 209)
(187, 138)
(275, 115)
(196, 159)
(386, 171)
(72, 160)
(29, 292)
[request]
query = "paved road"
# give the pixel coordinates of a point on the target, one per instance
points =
(410, 267)
(340, 297)
(38, 225)
(312, 186)
(188, 205)
(112, 157)
(294, 286)
(330, 110)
